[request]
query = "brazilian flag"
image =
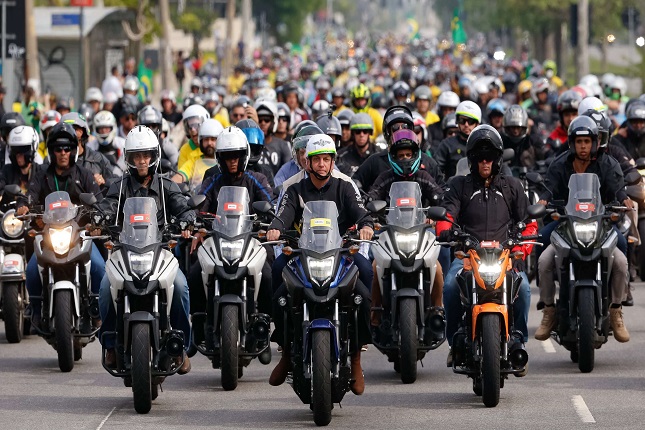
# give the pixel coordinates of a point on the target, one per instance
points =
(458, 33)
(145, 81)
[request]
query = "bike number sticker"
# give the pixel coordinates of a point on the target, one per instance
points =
(139, 218)
(320, 222)
(232, 207)
(58, 205)
(585, 207)
(408, 201)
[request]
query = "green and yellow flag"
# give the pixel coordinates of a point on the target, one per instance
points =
(145, 76)
(458, 33)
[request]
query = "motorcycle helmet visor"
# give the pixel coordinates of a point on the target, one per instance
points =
(255, 136)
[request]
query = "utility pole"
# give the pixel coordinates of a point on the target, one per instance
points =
(31, 47)
(164, 41)
(228, 59)
(582, 53)
(246, 24)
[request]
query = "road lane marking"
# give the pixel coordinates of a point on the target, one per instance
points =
(582, 410)
(105, 419)
(548, 346)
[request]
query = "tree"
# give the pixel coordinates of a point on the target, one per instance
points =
(286, 17)
(196, 22)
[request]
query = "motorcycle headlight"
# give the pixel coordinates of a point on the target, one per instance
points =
(231, 249)
(490, 273)
(585, 232)
(11, 226)
(407, 243)
(60, 239)
(141, 264)
(320, 270)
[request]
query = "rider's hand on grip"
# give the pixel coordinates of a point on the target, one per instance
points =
(22, 210)
(519, 265)
(273, 234)
(445, 236)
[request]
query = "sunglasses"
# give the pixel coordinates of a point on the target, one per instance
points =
(60, 149)
(463, 120)
(399, 126)
(361, 132)
(486, 157)
(284, 119)
(265, 119)
(451, 133)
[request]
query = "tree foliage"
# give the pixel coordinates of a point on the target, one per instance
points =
(288, 15)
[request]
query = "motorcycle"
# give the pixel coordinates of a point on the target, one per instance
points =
(405, 258)
(13, 291)
(637, 193)
(141, 274)
(584, 243)
(232, 259)
(486, 347)
(321, 305)
(70, 311)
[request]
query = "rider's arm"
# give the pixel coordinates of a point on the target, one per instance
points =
(176, 202)
(452, 203)
(520, 204)
(354, 203)
(286, 212)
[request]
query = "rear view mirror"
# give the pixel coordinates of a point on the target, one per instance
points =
(534, 178)
(88, 199)
(437, 213)
(13, 190)
(166, 166)
(196, 201)
(376, 206)
(640, 163)
(508, 154)
(633, 177)
(536, 211)
(263, 207)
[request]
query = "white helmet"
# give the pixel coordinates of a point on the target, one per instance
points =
(93, 94)
(111, 97)
(470, 109)
(105, 118)
(481, 86)
(620, 84)
(194, 111)
(589, 80)
(320, 144)
(131, 84)
(50, 119)
(267, 107)
(591, 103)
(210, 128)
(448, 99)
(266, 94)
(169, 95)
(22, 139)
(607, 80)
(165, 127)
(232, 139)
(319, 108)
(141, 139)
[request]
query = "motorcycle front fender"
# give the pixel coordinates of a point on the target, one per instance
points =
(64, 285)
(320, 324)
(494, 308)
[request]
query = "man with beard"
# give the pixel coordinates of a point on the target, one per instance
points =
(193, 170)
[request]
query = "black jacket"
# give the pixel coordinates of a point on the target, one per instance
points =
(430, 191)
(378, 163)
(256, 168)
(256, 183)
(75, 180)
(175, 202)
(635, 147)
(350, 205)
(612, 184)
(275, 154)
(527, 151)
(448, 154)
(486, 213)
(11, 175)
(349, 160)
(435, 136)
(95, 162)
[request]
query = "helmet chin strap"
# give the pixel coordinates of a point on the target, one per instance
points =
(319, 176)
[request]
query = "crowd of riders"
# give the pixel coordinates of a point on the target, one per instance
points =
(339, 126)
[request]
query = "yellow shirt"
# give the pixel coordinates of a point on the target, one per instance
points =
(222, 117)
(193, 171)
(339, 110)
(431, 118)
(42, 150)
(188, 151)
(378, 122)
(234, 84)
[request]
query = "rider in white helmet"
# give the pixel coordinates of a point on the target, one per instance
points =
(21, 147)
(276, 150)
(94, 97)
(453, 149)
(142, 156)
(107, 141)
(193, 118)
(192, 171)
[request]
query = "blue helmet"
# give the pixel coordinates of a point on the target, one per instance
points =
(255, 136)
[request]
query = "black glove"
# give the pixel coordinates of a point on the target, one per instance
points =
(519, 265)
(445, 236)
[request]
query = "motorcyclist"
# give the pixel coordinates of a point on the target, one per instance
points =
(360, 99)
(298, 151)
(486, 204)
(193, 170)
(169, 108)
(320, 184)
(62, 174)
(632, 137)
(446, 103)
(21, 146)
(193, 118)
(539, 108)
(91, 160)
(284, 121)
(232, 154)
(351, 157)
(453, 149)
(276, 151)
(107, 142)
(422, 101)
(153, 119)
(94, 97)
(345, 118)
(582, 157)
(495, 110)
(142, 156)
(330, 125)
(127, 115)
(567, 108)
(528, 147)
(8, 122)
(48, 120)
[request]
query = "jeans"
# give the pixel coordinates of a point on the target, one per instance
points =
(454, 310)
(179, 309)
(35, 285)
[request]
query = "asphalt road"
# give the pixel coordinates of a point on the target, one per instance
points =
(34, 394)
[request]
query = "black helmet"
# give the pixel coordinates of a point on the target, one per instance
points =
(568, 100)
(62, 134)
(330, 126)
(396, 114)
(64, 103)
(604, 125)
(151, 118)
(636, 110)
(301, 135)
(583, 126)
(449, 121)
(484, 139)
(9, 121)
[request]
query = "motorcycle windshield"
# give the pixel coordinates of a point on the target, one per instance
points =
(584, 196)
(405, 205)
(463, 168)
(140, 227)
(233, 211)
(320, 227)
(59, 209)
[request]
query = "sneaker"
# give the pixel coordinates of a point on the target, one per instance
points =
(543, 332)
(279, 374)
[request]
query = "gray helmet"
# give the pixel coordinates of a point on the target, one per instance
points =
(330, 125)
(423, 92)
(77, 120)
(515, 116)
(151, 118)
(345, 117)
(449, 121)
